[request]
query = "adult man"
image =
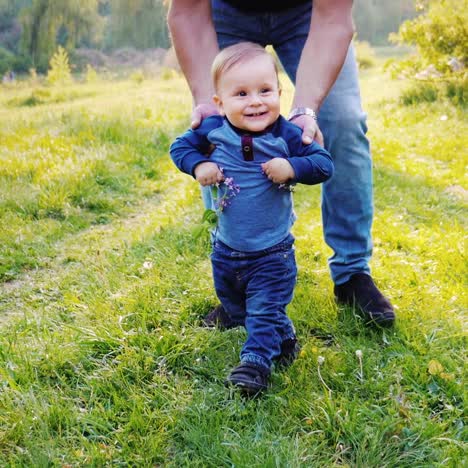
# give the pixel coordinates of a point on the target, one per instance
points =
(312, 41)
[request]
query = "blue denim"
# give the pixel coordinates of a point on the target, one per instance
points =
(254, 289)
(347, 206)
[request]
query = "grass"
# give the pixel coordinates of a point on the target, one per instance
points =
(103, 283)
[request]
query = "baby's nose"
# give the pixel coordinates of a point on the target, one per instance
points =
(255, 100)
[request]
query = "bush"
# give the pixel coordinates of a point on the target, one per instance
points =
(6, 61)
(425, 92)
(137, 76)
(16, 63)
(441, 40)
(38, 96)
(59, 72)
(431, 91)
(457, 92)
(21, 63)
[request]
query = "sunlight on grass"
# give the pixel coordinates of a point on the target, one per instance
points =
(102, 357)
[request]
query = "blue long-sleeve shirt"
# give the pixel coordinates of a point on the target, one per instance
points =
(261, 214)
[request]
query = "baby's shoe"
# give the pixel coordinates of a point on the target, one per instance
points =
(249, 377)
(290, 349)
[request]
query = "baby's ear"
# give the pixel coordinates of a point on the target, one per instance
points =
(219, 104)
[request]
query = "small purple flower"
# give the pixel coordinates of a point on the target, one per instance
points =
(223, 192)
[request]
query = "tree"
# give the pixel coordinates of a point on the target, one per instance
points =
(440, 35)
(59, 72)
(47, 23)
(137, 23)
(10, 30)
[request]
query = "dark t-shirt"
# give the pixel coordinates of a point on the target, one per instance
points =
(265, 5)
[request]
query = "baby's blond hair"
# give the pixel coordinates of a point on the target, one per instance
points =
(234, 54)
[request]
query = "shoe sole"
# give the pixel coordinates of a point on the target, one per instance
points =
(245, 387)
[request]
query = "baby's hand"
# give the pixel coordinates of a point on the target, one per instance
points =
(208, 173)
(278, 170)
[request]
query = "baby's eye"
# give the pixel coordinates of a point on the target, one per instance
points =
(242, 93)
(265, 90)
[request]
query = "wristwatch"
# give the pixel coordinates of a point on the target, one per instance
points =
(302, 111)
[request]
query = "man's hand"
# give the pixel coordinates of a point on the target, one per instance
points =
(208, 173)
(322, 58)
(278, 170)
(200, 112)
(310, 129)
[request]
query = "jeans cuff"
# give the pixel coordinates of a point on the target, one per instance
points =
(288, 336)
(256, 359)
(290, 333)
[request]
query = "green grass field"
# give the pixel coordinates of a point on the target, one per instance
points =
(103, 282)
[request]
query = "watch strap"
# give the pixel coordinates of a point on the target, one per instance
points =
(297, 111)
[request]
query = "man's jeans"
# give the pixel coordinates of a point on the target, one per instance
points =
(347, 207)
(254, 289)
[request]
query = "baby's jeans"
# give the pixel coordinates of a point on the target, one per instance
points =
(254, 289)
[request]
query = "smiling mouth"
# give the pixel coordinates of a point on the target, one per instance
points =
(256, 114)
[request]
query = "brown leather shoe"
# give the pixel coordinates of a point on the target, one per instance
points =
(361, 292)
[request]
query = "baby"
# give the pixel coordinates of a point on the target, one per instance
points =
(257, 156)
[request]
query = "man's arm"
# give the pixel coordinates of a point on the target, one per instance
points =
(331, 32)
(194, 39)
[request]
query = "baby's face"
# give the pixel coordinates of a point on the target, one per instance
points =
(249, 94)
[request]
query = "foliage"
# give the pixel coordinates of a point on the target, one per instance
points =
(59, 72)
(10, 30)
(6, 61)
(424, 92)
(137, 23)
(137, 76)
(47, 23)
(44, 24)
(441, 42)
(35, 28)
(207, 224)
(22, 63)
(438, 37)
(13, 62)
(9, 9)
(38, 96)
(457, 92)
